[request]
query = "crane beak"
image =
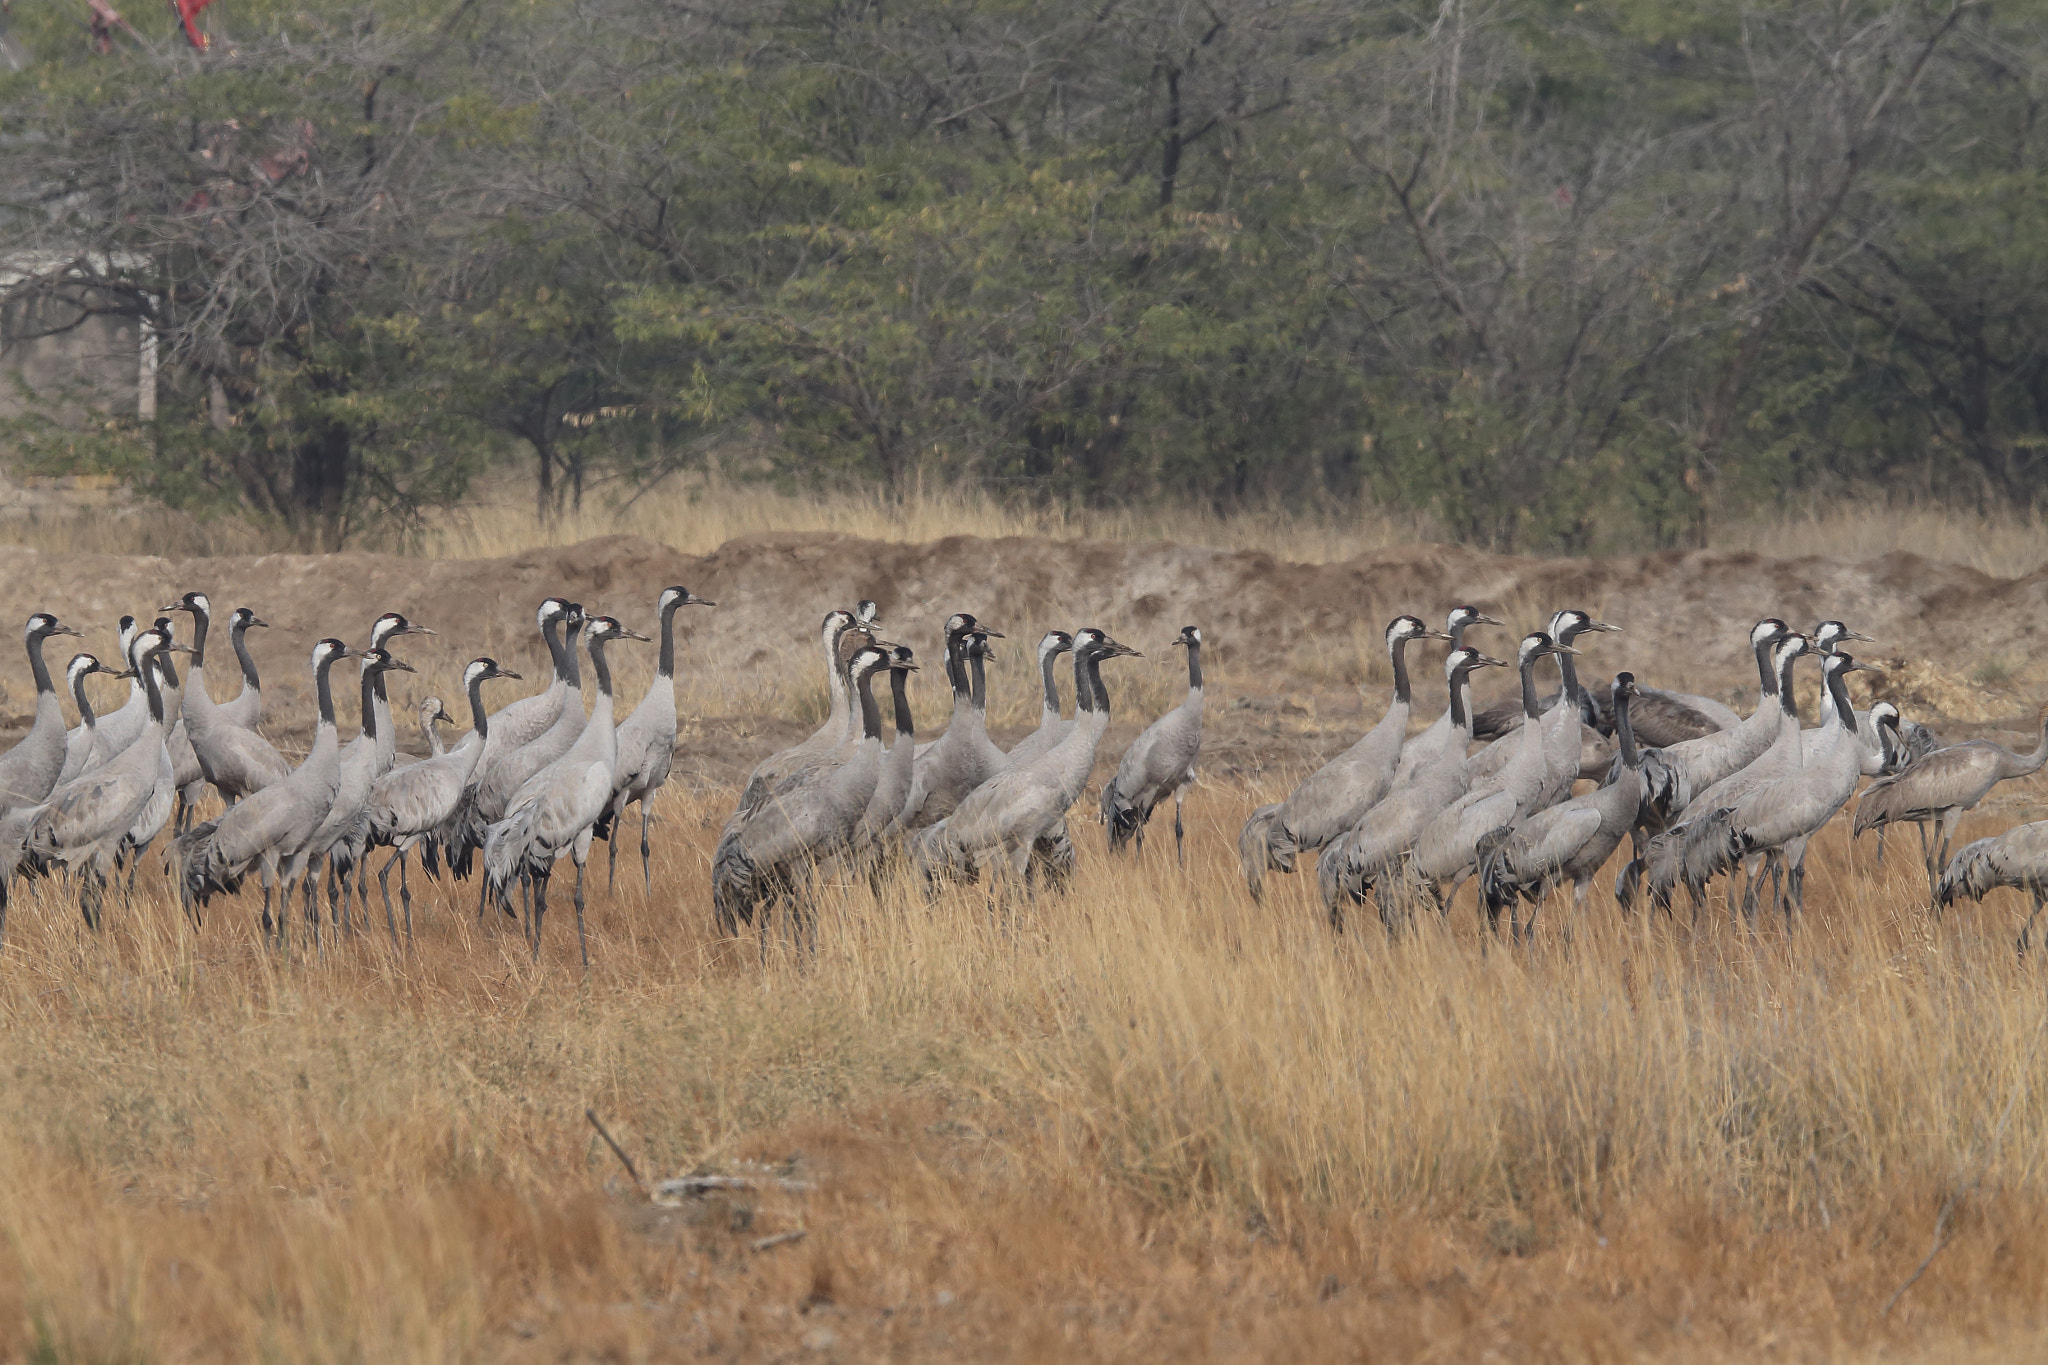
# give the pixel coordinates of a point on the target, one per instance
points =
(175, 606)
(411, 629)
(507, 673)
(1604, 626)
(1484, 621)
(177, 649)
(259, 621)
(1488, 661)
(1859, 635)
(1858, 666)
(993, 634)
(401, 665)
(631, 634)
(63, 629)
(124, 673)
(691, 599)
(1557, 647)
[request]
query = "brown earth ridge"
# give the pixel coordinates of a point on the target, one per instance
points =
(1290, 644)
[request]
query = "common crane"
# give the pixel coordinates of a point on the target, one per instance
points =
(1051, 728)
(647, 740)
(2017, 858)
(234, 759)
(1161, 760)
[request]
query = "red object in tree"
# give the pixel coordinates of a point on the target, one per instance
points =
(188, 13)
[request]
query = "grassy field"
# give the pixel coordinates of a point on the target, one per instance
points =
(698, 515)
(1148, 1120)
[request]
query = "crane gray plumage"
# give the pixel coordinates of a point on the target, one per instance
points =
(118, 729)
(1020, 813)
(2017, 858)
(232, 757)
(1682, 849)
(964, 757)
(79, 744)
(1569, 842)
(268, 826)
(647, 739)
(1447, 847)
(1827, 637)
(1778, 815)
(1329, 803)
(823, 741)
(245, 708)
(343, 832)
(1160, 762)
(1568, 717)
(1938, 787)
(554, 812)
(892, 787)
(84, 823)
(29, 771)
(1426, 747)
(806, 820)
(1678, 772)
(1351, 867)
(516, 725)
(1051, 728)
(188, 778)
(407, 804)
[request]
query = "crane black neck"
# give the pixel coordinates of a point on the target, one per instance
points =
(1194, 665)
(1531, 707)
(899, 692)
(956, 669)
(1461, 714)
(201, 619)
(1569, 672)
(870, 714)
(1767, 677)
(1625, 731)
(1397, 651)
(86, 716)
(371, 679)
(168, 669)
(1095, 686)
(599, 668)
(36, 666)
(1052, 691)
(478, 721)
(665, 662)
(323, 690)
(1788, 703)
(978, 690)
(550, 634)
(238, 636)
(570, 657)
(1838, 691)
(152, 687)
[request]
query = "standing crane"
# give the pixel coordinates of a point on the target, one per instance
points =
(1159, 761)
(647, 740)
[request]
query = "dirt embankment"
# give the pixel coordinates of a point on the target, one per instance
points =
(1288, 642)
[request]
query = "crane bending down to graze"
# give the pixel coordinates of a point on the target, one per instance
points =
(270, 825)
(29, 771)
(1159, 761)
(1020, 813)
(235, 760)
(1353, 865)
(555, 811)
(647, 741)
(1330, 802)
(83, 825)
(2017, 858)
(809, 818)
(1939, 787)
(408, 803)
(964, 757)
(1776, 818)
(78, 745)
(1570, 842)
(1051, 728)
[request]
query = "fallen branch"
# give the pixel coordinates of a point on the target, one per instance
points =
(780, 1239)
(697, 1186)
(617, 1150)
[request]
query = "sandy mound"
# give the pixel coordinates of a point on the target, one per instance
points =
(1273, 626)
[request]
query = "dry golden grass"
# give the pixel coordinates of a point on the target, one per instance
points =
(697, 515)
(1146, 1120)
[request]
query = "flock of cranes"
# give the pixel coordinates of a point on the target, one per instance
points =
(530, 783)
(1398, 819)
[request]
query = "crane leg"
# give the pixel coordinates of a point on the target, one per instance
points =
(2026, 934)
(1880, 848)
(405, 894)
(1179, 850)
(268, 932)
(540, 910)
(384, 885)
(1949, 820)
(611, 882)
(646, 865)
(582, 944)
